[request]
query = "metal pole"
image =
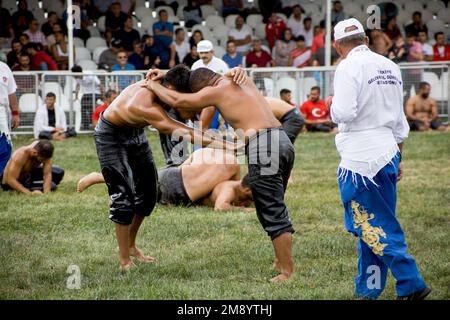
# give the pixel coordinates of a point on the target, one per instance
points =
(328, 35)
(70, 32)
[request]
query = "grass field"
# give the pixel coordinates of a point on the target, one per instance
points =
(207, 255)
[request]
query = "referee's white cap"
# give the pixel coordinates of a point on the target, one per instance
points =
(346, 28)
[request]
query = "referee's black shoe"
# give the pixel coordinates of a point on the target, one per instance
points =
(418, 295)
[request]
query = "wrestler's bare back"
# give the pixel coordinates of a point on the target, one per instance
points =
(279, 107)
(23, 160)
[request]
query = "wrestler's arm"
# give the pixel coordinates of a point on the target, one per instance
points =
(409, 109)
(47, 174)
(12, 174)
(434, 110)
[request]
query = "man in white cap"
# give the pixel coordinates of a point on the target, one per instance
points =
(210, 117)
(368, 108)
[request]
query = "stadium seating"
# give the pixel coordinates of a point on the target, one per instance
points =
(287, 83)
(95, 42)
(269, 86)
(27, 102)
(435, 25)
(142, 12)
(213, 21)
(219, 51)
(435, 6)
(87, 64)
(97, 52)
(101, 24)
(230, 21)
(220, 31)
(254, 20)
(82, 53)
(204, 29)
(77, 42)
(208, 10)
(147, 24)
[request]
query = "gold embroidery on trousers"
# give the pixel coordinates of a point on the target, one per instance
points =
(370, 235)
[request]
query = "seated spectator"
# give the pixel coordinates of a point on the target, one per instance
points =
(115, 20)
(123, 65)
(427, 49)
(192, 57)
(181, 45)
(137, 58)
(36, 36)
(192, 14)
(300, 56)
(110, 95)
(316, 113)
(39, 59)
(60, 52)
(101, 7)
(319, 38)
(283, 48)
(50, 121)
(127, 35)
(307, 32)
(380, 42)
(392, 30)
(422, 111)
(258, 58)
(108, 58)
(21, 19)
(295, 21)
(52, 19)
(151, 53)
(163, 33)
(441, 50)
(30, 170)
(287, 6)
(196, 37)
(24, 39)
(171, 3)
(399, 51)
(5, 26)
(51, 38)
(242, 35)
(414, 49)
(286, 96)
(24, 63)
(12, 57)
(274, 29)
(416, 25)
(337, 13)
(231, 7)
(127, 6)
(232, 57)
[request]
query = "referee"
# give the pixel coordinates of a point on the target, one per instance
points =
(368, 108)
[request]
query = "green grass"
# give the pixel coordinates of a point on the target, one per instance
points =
(207, 255)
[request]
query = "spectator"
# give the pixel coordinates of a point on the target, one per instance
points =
(319, 38)
(90, 86)
(441, 50)
(274, 29)
(35, 34)
(232, 57)
(51, 38)
(181, 45)
(427, 49)
(115, 20)
(416, 25)
(14, 54)
(127, 35)
(24, 39)
(52, 19)
(283, 48)
(123, 65)
(196, 37)
(83, 32)
(287, 6)
(110, 95)
(101, 7)
(137, 58)
(300, 56)
(414, 49)
(5, 25)
(50, 120)
(337, 13)
(242, 35)
(286, 96)
(205, 51)
(399, 51)
(21, 19)
(39, 59)
(60, 52)
(295, 21)
(108, 58)
(151, 53)
(380, 42)
(192, 57)
(307, 32)
(128, 6)
(24, 63)
(163, 33)
(173, 4)
(392, 29)
(316, 113)
(231, 7)
(422, 111)
(192, 14)
(259, 58)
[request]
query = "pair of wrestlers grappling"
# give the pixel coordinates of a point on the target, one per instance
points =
(210, 176)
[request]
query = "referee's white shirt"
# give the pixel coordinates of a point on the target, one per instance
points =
(368, 108)
(216, 65)
(7, 87)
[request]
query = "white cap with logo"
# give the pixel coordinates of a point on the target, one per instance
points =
(346, 28)
(205, 46)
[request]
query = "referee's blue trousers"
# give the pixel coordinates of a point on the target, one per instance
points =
(370, 216)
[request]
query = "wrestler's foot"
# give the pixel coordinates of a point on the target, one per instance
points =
(135, 252)
(276, 266)
(126, 266)
(281, 278)
(418, 295)
(86, 181)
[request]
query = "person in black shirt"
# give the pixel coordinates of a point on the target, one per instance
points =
(416, 25)
(137, 58)
(5, 22)
(191, 57)
(115, 20)
(152, 59)
(21, 19)
(128, 35)
(13, 56)
(52, 19)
